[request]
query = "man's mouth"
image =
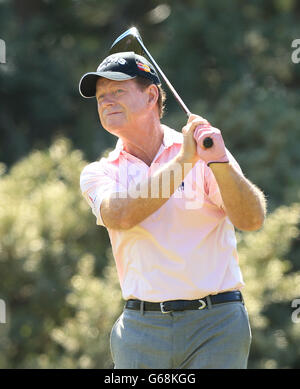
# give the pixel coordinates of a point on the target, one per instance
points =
(112, 113)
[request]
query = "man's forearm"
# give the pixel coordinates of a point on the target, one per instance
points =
(144, 199)
(245, 204)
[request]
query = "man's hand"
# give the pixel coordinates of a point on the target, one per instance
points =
(194, 133)
(214, 154)
(189, 147)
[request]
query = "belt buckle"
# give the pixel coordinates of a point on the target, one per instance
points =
(162, 308)
(203, 304)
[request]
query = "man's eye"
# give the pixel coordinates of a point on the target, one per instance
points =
(119, 91)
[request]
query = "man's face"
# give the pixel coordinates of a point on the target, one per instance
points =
(120, 104)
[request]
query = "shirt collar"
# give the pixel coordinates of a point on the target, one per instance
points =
(171, 137)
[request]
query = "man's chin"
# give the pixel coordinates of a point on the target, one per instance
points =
(113, 128)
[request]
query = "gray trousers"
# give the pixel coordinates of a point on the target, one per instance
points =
(217, 337)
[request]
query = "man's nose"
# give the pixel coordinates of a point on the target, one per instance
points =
(107, 101)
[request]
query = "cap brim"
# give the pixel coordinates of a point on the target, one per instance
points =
(87, 84)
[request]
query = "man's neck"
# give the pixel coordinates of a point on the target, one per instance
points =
(146, 141)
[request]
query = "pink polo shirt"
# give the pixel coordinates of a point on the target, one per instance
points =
(184, 250)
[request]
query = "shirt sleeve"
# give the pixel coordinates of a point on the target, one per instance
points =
(211, 186)
(97, 181)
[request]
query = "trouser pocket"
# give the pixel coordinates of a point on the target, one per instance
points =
(113, 337)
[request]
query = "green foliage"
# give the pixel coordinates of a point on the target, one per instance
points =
(43, 229)
(84, 337)
(272, 283)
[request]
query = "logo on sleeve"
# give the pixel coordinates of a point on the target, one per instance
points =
(91, 200)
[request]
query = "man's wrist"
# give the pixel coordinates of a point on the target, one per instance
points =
(219, 166)
(186, 161)
(217, 162)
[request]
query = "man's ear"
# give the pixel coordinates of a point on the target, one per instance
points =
(152, 94)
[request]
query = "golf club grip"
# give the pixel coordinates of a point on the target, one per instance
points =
(208, 142)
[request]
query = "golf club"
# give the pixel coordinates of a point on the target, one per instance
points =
(131, 39)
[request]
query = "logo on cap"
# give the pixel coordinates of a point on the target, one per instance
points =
(111, 60)
(143, 67)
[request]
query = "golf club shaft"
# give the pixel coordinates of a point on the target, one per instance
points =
(208, 142)
(172, 89)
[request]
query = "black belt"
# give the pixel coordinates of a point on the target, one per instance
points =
(182, 305)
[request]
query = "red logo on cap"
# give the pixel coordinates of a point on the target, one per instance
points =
(143, 67)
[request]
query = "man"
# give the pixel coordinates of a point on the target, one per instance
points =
(170, 206)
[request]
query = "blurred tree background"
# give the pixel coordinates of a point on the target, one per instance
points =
(231, 63)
